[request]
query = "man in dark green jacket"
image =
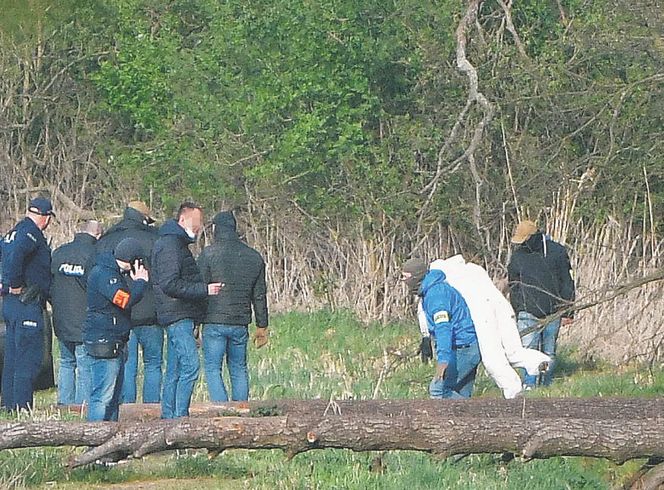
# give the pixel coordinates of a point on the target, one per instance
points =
(241, 270)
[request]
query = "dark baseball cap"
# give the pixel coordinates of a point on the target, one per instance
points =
(41, 206)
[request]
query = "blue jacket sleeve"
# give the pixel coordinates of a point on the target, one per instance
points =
(120, 295)
(438, 312)
(16, 251)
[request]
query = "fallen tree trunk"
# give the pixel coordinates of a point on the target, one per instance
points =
(532, 408)
(440, 427)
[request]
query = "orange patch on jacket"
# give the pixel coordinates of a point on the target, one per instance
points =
(121, 299)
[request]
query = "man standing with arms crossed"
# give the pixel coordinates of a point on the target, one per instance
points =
(180, 295)
(26, 266)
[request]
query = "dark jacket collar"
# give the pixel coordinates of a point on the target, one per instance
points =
(85, 238)
(33, 228)
(131, 220)
(535, 243)
(225, 234)
(172, 228)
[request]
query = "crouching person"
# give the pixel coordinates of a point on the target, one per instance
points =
(116, 283)
(450, 325)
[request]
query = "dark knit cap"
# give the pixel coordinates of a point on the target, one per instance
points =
(417, 269)
(129, 250)
(416, 266)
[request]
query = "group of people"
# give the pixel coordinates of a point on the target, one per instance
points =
(470, 320)
(114, 292)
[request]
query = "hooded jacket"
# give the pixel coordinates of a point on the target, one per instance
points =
(178, 286)
(110, 300)
(539, 277)
(447, 315)
(70, 266)
(241, 269)
(134, 225)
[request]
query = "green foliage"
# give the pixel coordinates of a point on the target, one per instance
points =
(342, 107)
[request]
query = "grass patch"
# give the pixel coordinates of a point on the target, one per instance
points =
(332, 355)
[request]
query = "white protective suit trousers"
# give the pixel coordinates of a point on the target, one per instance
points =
(495, 324)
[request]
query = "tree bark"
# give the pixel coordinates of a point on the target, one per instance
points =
(609, 428)
(531, 408)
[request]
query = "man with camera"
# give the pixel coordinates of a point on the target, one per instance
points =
(26, 266)
(111, 297)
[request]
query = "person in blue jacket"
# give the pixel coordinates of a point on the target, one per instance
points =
(450, 325)
(26, 266)
(108, 322)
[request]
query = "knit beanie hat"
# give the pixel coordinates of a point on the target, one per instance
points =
(418, 269)
(128, 250)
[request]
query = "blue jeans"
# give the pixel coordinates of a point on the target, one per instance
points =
(459, 375)
(24, 351)
(544, 341)
(230, 341)
(182, 367)
(151, 340)
(74, 377)
(107, 377)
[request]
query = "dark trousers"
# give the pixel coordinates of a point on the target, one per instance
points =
(24, 350)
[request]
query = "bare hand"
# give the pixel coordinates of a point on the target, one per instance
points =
(213, 288)
(441, 367)
(139, 272)
(15, 290)
(564, 321)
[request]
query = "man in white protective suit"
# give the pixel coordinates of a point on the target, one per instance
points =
(495, 325)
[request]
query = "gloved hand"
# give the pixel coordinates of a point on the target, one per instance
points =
(260, 337)
(30, 295)
(426, 352)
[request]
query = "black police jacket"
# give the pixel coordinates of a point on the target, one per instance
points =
(133, 225)
(242, 271)
(70, 265)
(539, 277)
(180, 292)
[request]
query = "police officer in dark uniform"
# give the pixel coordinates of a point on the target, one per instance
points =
(69, 270)
(26, 265)
(108, 322)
